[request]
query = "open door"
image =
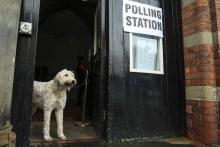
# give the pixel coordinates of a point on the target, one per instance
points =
(24, 72)
(99, 71)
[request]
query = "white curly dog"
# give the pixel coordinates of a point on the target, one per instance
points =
(51, 96)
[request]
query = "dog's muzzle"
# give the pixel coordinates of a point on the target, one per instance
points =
(73, 82)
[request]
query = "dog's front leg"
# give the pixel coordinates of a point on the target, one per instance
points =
(59, 117)
(46, 130)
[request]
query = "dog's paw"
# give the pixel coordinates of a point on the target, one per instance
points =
(62, 136)
(48, 138)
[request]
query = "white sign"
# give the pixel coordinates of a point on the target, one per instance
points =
(142, 18)
(26, 28)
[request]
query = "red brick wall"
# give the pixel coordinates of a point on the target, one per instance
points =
(202, 121)
(200, 65)
(196, 17)
(201, 23)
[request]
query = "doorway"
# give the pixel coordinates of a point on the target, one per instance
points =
(65, 31)
(62, 39)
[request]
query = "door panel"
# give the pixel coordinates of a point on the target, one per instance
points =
(145, 105)
(24, 74)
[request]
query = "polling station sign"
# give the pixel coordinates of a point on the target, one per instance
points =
(142, 18)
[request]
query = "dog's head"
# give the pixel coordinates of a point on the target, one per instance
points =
(65, 78)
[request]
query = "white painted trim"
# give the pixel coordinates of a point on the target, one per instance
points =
(95, 31)
(95, 28)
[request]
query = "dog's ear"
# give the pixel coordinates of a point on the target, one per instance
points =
(56, 78)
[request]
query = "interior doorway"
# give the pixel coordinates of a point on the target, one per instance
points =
(63, 37)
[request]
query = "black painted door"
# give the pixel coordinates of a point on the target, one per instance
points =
(24, 74)
(99, 71)
(145, 105)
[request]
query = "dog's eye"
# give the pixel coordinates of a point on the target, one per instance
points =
(66, 75)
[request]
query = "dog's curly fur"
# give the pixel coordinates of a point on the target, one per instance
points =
(51, 96)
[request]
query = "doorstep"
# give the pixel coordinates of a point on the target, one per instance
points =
(170, 142)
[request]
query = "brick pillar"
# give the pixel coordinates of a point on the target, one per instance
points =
(201, 26)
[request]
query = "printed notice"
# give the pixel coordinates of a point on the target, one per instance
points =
(145, 52)
(142, 18)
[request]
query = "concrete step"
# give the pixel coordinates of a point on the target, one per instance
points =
(149, 144)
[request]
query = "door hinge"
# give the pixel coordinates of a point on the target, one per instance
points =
(25, 28)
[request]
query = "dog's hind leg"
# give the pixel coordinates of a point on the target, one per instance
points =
(59, 118)
(46, 129)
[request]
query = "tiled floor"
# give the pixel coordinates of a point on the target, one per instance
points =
(72, 132)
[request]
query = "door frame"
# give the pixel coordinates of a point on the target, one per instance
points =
(102, 54)
(24, 73)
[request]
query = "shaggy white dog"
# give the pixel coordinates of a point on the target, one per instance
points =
(51, 96)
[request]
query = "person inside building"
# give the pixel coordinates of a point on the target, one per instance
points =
(81, 75)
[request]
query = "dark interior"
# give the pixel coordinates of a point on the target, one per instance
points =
(65, 32)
